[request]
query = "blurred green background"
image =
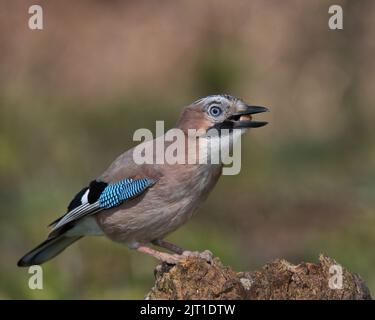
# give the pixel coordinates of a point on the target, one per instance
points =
(72, 95)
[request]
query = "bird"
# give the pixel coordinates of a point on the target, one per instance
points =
(138, 205)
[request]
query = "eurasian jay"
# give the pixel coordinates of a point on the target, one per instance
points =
(140, 204)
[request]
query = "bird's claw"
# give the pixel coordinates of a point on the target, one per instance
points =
(206, 255)
(172, 259)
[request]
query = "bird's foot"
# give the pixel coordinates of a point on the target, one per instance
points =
(206, 255)
(170, 258)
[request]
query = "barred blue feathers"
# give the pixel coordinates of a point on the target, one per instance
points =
(116, 193)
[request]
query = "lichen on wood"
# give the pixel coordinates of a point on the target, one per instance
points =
(194, 278)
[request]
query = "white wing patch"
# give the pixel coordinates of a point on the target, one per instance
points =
(85, 197)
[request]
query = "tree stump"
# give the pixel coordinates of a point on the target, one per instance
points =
(194, 278)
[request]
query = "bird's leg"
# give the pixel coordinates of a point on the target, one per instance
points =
(169, 246)
(162, 256)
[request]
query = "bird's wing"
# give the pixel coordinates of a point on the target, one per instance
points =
(99, 196)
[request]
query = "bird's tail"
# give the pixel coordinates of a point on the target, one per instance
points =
(47, 250)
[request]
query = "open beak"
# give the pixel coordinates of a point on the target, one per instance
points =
(243, 118)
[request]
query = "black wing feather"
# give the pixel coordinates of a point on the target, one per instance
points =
(77, 199)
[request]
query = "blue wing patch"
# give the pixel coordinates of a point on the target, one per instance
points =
(111, 195)
(116, 193)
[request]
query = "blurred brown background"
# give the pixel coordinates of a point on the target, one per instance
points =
(72, 95)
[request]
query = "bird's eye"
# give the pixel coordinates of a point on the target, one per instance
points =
(215, 111)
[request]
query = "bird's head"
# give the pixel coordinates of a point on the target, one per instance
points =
(220, 111)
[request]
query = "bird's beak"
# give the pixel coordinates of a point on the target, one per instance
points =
(243, 117)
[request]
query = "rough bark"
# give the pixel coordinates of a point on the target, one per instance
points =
(195, 278)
